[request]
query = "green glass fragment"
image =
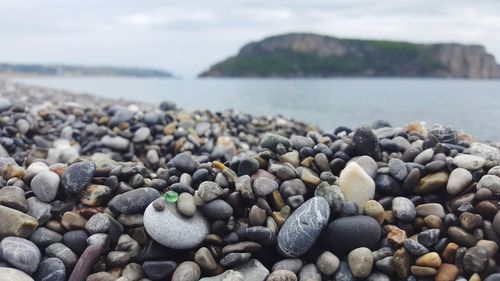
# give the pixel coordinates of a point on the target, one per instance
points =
(171, 196)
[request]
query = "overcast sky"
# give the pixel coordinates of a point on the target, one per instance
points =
(186, 37)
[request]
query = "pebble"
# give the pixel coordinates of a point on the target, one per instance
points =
(475, 259)
(293, 265)
(447, 272)
(490, 182)
(264, 186)
(185, 163)
(360, 262)
(461, 236)
(459, 179)
(115, 142)
(78, 176)
(403, 209)
(429, 238)
(347, 233)
(397, 169)
(158, 270)
(252, 270)
(39, 210)
(431, 259)
(332, 194)
(428, 209)
(12, 274)
(469, 162)
(15, 223)
(270, 141)
(141, 135)
(431, 183)
(85, 263)
(368, 164)
(51, 269)
(343, 273)
(327, 263)
(187, 271)
(234, 258)
(13, 197)
(186, 205)
(310, 272)
(356, 185)
(171, 229)
(414, 247)
(366, 143)
(5, 104)
(21, 253)
(63, 253)
(208, 191)
(45, 185)
(302, 228)
(374, 210)
(217, 209)
(133, 201)
(282, 275)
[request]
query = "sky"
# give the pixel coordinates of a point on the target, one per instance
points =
(186, 37)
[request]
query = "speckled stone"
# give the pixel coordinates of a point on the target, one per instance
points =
(360, 262)
(403, 209)
(302, 228)
(12, 274)
(172, 229)
(78, 176)
(21, 253)
(133, 201)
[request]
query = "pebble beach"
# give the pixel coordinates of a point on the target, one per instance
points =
(95, 189)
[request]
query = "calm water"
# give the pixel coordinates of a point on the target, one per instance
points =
(469, 105)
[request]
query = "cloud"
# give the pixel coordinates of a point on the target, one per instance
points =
(187, 36)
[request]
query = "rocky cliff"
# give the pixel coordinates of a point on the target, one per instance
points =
(312, 55)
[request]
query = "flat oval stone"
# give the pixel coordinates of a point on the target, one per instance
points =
(403, 209)
(300, 231)
(45, 186)
(51, 269)
(12, 274)
(469, 162)
(459, 179)
(171, 229)
(133, 201)
(78, 176)
(21, 253)
(348, 233)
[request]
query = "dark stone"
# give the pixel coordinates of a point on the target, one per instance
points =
(158, 270)
(133, 201)
(387, 185)
(366, 143)
(76, 240)
(185, 163)
(428, 238)
(51, 269)
(85, 263)
(218, 209)
(247, 166)
(260, 234)
(344, 273)
(347, 233)
(300, 231)
(78, 176)
(414, 247)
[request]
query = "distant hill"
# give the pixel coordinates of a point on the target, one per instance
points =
(75, 71)
(312, 55)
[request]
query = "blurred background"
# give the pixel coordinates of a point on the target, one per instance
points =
(328, 63)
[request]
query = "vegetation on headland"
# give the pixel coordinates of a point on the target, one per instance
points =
(75, 71)
(310, 55)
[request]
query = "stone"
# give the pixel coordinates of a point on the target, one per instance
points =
(76, 240)
(45, 186)
(85, 263)
(5, 104)
(13, 197)
(41, 211)
(101, 276)
(63, 253)
(73, 221)
(282, 275)
(51, 269)
(327, 263)
(332, 194)
(141, 135)
(423, 271)
(396, 235)
(427, 209)
(492, 277)
(459, 179)
(133, 271)
(234, 258)
(387, 185)
(171, 229)
(186, 205)
(461, 236)
(208, 191)
(470, 221)
(95, 195)
(133, 201)
(424, 157)
(217, 209)
(414, 247)
(431, 259)
(495, 223)
(204, 259)
(360, 262)
(300, 231)
(403, 209)
(347, 233)
(375, 210)
(447, 272)
(366, 143)
(43, 237)
(293, 265)
(21, 253)
(270, 141)
(292, 157)
(356, 185)
(15, 223)
(292, 187)
(368, 164)
(243, 185)
(402, 261)
(158, 270)
(397, 169)
(490, 182)
(78, 176)
(12, 274)
(378, 276)
(226, 275)
(298, 142)
(264, 186)
(257, 216)
(428, 238)
(245, 246)
(431, 183)
(469, 162)
(343, 273)
(187, 271)
(475, 259)
(185, 163)
(252, 270)
(248, 166)
(115, 142)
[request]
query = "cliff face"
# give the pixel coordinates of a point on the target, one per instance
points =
(311, 55)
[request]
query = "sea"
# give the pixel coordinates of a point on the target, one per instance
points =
(472, 106)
